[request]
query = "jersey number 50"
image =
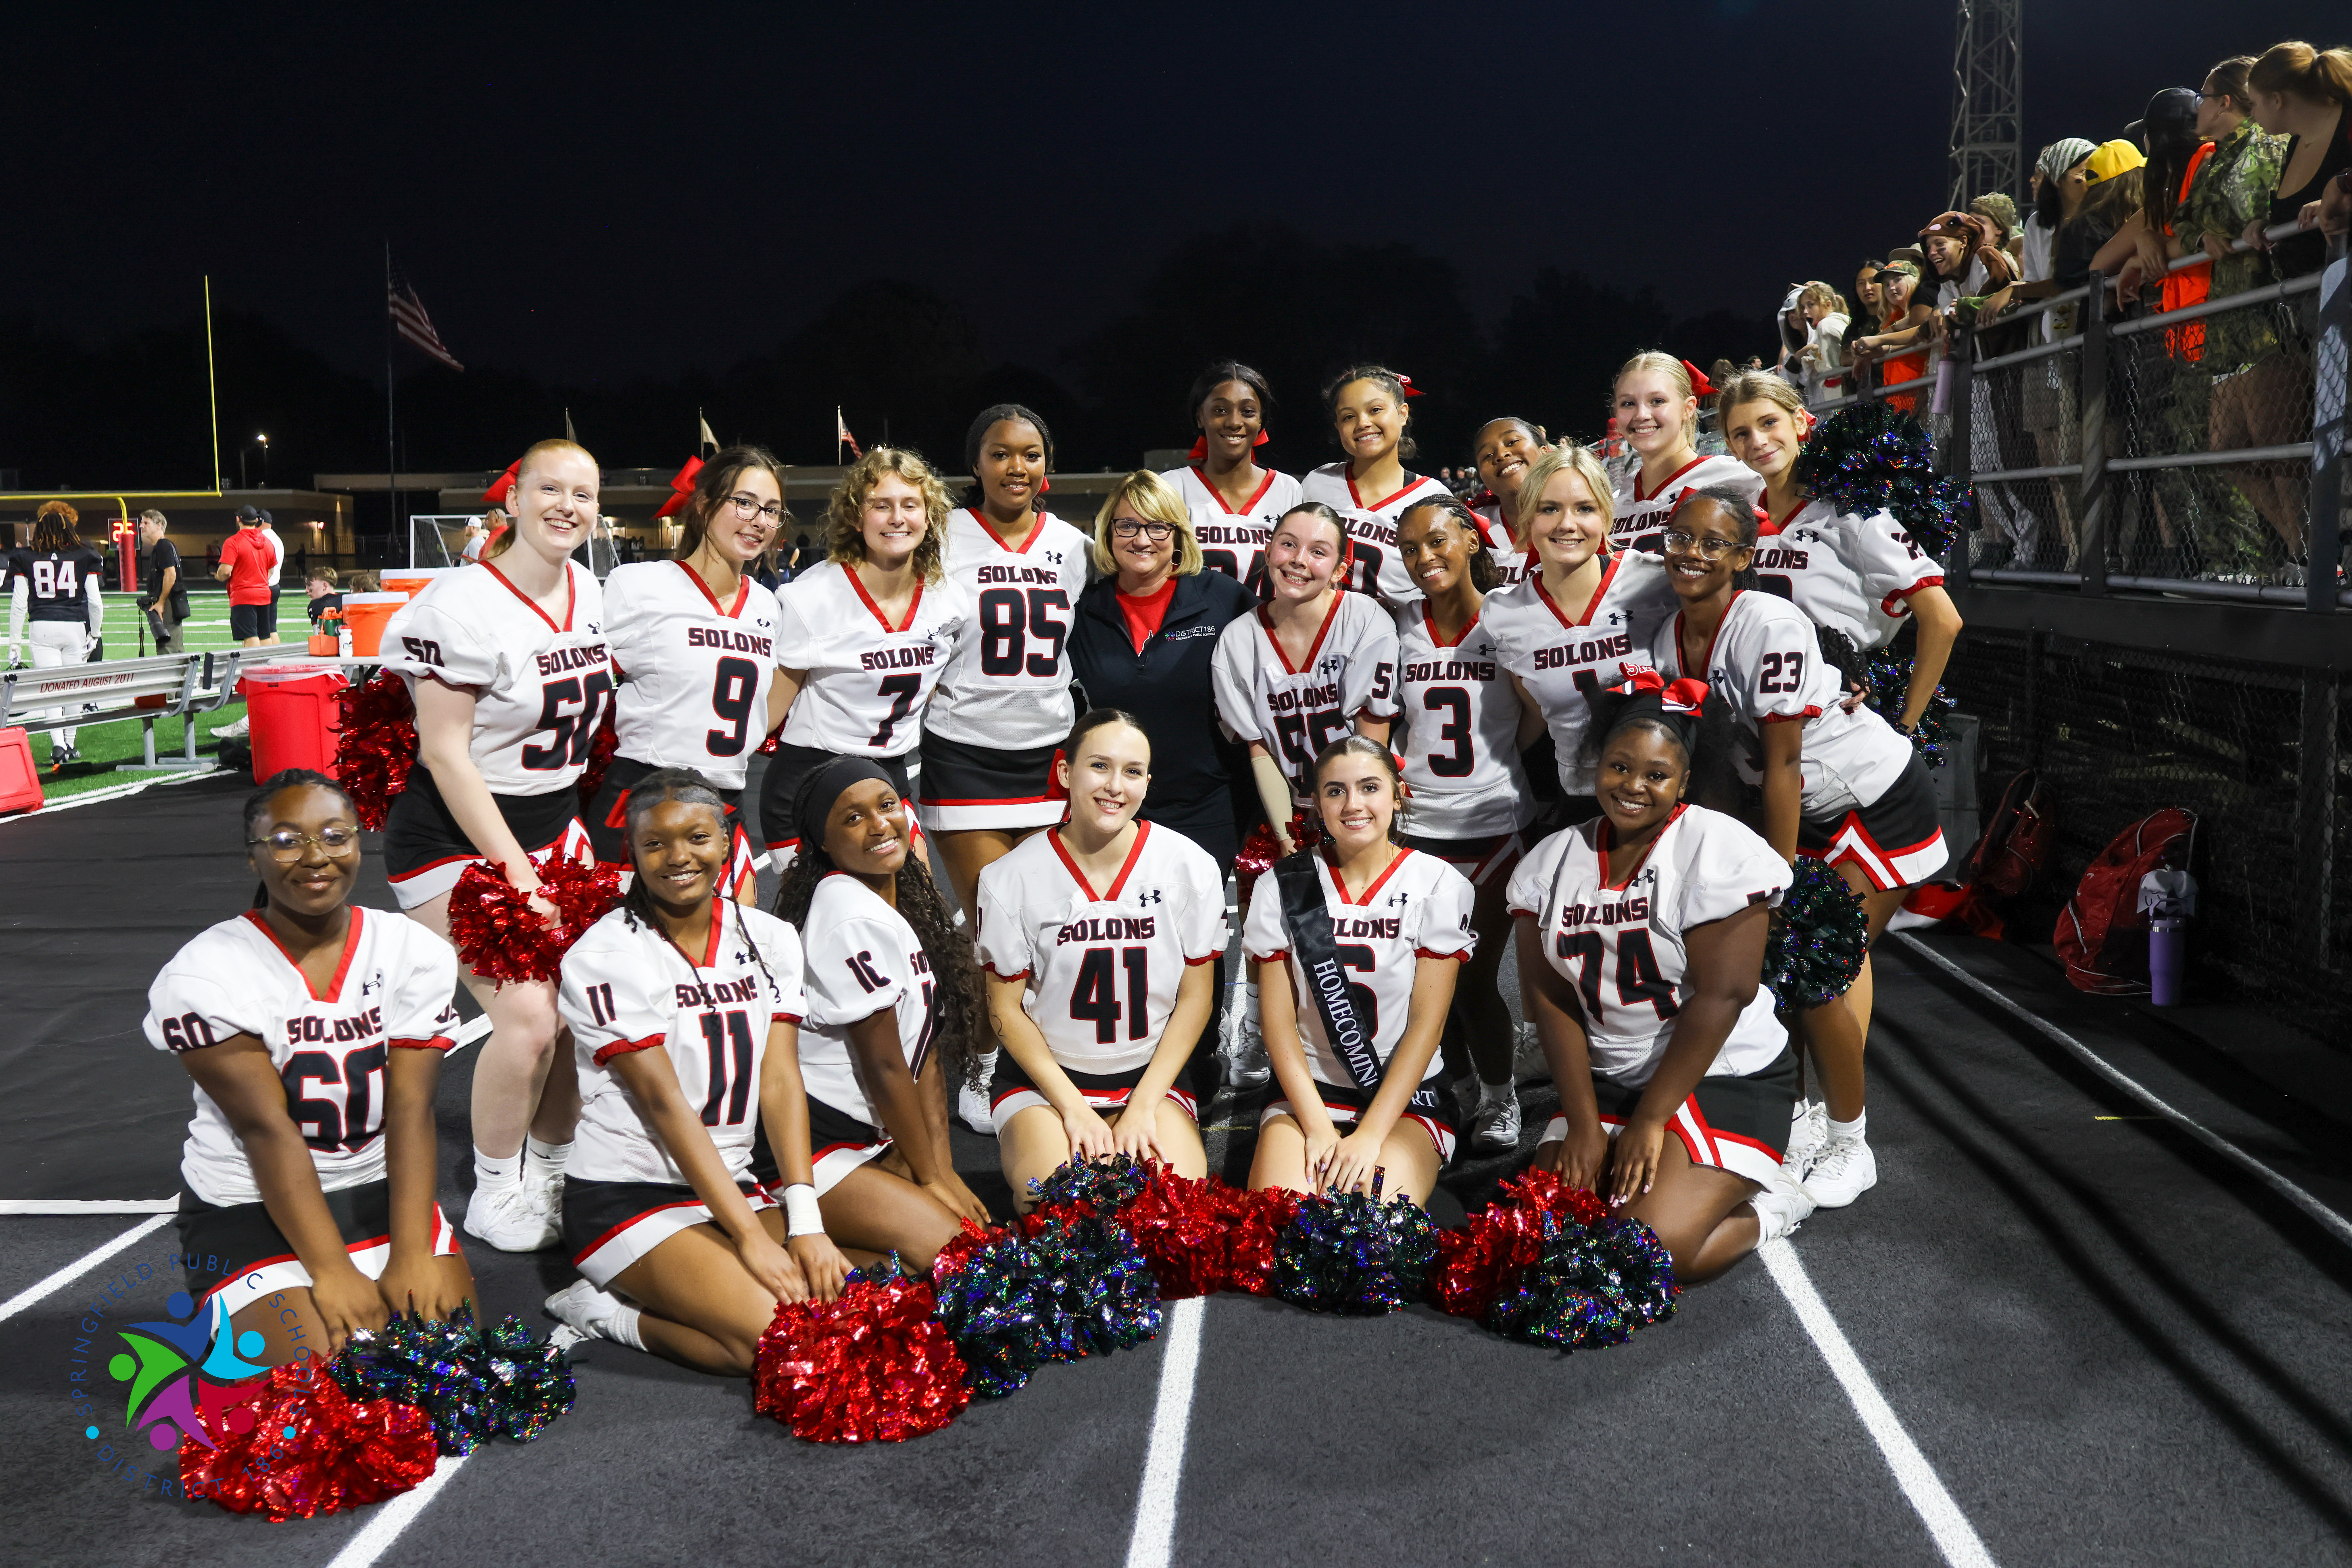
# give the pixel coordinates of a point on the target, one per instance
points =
(573, 731)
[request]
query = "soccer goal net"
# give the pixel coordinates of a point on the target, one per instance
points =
(438, 538)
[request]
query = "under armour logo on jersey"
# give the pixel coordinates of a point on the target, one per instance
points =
(1616, 617)
(594, 630)
(1149, 896)
(1395, 899)
(1328, 666)
(372, 984)
(741, 957)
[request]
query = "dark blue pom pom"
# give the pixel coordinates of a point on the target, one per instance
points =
(1818, 937)
(1013, 1302)
(1871, 458)
(474, 1384)
(1593, 1287)
(1351, 1253)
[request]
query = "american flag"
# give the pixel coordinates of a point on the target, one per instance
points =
(409, 319)
(841, 434)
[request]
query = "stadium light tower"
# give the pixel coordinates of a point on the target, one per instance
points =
(1988, 100)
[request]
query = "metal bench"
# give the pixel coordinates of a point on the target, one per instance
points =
(171, 685)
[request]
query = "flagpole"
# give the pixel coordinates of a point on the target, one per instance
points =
(390, 454)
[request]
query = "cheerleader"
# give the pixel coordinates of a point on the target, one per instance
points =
(56, 583)
(1371, 487)
(1858, 577)
(1361, 1056)
(1504, 448)
(314, 1031)
(510, 672)
(1656, 407)
(1464, 724)
(863, 636)
(1232, 500)
(1313, 663)
(1642, 933)
(694, 650)
(683, 1006)
(1004, 702)
(1581, 614)
(894, 1017)
(1838, 784)
(1098, 996)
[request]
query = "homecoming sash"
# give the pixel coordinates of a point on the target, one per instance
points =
(1307, 919)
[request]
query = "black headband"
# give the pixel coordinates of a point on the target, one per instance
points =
(814, 804)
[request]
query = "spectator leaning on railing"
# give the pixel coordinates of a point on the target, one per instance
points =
(1827, 319)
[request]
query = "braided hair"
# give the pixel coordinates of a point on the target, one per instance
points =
(681, 786)
(1484, 575)
(962, 1034)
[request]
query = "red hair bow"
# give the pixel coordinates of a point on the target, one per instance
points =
(680, 488)
(1684, 696)
(1700, 385)
(1409, 389)
(499, 493)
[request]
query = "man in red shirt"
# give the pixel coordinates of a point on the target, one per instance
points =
(245, 566)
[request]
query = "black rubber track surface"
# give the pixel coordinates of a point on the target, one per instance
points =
(2111, 1346)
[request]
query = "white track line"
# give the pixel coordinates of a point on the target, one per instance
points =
(1163, 1462)
(77, 1268)
(121, 792)
(378, 1534)
(2328, 1218)
(88, 1205)
(1954, 1536)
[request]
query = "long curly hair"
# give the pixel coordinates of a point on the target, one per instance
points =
(962, 1034)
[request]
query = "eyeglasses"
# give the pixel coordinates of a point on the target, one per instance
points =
(750, 507)
(1682, 541)
(1157, 532)
(285, 845)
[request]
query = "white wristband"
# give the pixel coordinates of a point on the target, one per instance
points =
(800, 1213)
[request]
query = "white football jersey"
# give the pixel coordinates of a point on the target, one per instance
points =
(694, 672)
(627, 987)
(541, 685)
(1008, 685)
(862, 956)
(1639, 516)
(1620, 944)
(1295, 713)
(394, 990)
(1562, 661)
(1767, 664)
(1233, 541)
(1852, 574)
(1461, 736)
(1419, 907)
(1371, 528)
(866, 680)
(1511, 563)
(1103, 968)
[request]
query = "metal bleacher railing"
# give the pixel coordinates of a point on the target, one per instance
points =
(2154, 599)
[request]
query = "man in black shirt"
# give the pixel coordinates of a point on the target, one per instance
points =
(165, 598)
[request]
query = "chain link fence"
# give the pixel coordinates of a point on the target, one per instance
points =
(2121, 734)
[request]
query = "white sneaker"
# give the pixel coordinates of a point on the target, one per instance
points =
(1494, 1124)
(512, 1218)
(1809, 1132)
(1779, 1208)
(973, 1107)
(547, 1181)
(238, 731)
(1528, 1063)
(1845, 1170)
(585, 1313)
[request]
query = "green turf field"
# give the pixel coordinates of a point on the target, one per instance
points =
(104, 747)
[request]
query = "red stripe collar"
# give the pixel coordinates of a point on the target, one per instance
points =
(1266, 620)
(1247, 507)
(343, 966)
(570, 596)
(913, 604)
(743, 591)
(1134, 854)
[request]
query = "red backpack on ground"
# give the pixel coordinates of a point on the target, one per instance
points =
(2014, 852)
(2103, 934)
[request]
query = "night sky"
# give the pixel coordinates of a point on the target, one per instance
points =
(592, 193)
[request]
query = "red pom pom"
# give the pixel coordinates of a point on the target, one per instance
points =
(602, 748)
(1261, 849)
(500, 937)
(1199, 1237)
(377, 745)
(310, 1449)
(870, 1367)
(1487, 1253)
